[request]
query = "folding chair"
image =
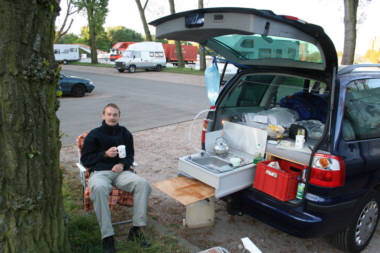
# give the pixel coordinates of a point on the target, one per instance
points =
(116, 196)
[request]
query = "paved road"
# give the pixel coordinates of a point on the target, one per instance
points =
(144, 102)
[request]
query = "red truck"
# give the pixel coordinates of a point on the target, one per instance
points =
(118, 49)
(189, 53)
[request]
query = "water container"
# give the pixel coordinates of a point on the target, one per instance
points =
(212, 82)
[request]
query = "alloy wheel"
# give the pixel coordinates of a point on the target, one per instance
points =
(366, 223)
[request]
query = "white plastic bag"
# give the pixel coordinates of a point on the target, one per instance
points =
(212, 82)
(274, 165)
(276, 116)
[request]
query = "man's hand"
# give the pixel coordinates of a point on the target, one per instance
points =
(118, 168)
(111, 152)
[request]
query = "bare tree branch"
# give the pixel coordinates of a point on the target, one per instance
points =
(68, 28)
(69, 11)
(146, 3)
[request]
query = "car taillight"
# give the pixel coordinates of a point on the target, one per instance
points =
(204, 129)
(327, 171)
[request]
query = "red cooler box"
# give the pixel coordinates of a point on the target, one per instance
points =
(281, 184)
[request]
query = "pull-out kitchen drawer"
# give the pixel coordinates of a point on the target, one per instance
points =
(226, 180)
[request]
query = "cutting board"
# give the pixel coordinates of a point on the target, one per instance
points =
(185, 190)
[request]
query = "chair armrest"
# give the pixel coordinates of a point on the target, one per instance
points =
(133, 167)
(82, 173)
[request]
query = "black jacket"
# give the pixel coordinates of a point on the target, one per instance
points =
(102, 138)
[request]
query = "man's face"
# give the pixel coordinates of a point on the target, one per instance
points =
(111, 116)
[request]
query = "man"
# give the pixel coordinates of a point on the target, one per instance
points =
(100, 153)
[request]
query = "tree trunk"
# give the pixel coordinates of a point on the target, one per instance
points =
(148, 36)
(350, 11)
(31, 204)
(91, 27)
(202, 55)
(178, 48)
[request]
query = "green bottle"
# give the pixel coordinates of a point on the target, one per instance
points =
(300, 190)
(258, 157)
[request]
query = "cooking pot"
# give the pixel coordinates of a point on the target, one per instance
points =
(220, 146)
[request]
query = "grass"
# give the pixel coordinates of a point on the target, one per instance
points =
(170, 70)
(92, 65)
(184, 71)
(84, 232)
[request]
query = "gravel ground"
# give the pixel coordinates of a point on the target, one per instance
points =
(157, 152)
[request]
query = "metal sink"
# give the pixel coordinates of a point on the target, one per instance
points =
(211, 163)
(217, 172)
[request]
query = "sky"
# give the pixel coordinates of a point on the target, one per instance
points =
(326, 13)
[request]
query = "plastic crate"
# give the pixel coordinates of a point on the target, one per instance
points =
(281, 184)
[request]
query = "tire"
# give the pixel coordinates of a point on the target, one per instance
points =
(158, 68)
(359, 232)
(132, 69)
(121, 70)
(78, 90)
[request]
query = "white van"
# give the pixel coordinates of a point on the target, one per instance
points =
(66, 52)
(143, 55)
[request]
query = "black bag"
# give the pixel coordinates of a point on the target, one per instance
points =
(294, 129)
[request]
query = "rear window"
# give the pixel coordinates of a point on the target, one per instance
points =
(249, 49)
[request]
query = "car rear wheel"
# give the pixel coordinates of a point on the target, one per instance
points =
(359, 232)
(78, 90)
(132, 69)
(158, 68)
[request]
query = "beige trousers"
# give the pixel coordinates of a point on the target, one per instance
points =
(101, 183)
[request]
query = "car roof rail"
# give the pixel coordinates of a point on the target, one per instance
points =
(350, 68)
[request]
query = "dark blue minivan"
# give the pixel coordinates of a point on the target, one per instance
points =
(289, 84)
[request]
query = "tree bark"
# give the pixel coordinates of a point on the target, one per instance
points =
(31, 204)
(202, 55)
(178, 48)
(350, 16)
(148, 36)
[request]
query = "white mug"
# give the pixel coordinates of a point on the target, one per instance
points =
(121, 151)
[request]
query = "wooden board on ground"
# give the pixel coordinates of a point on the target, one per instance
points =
(185, 190)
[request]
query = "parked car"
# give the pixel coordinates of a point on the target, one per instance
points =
(142, 55)
(75, 86)
(288, 79)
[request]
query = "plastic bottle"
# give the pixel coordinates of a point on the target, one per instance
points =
(301, 186)
(258, 157)
(212, 77)
(300, 190)
(300, 139)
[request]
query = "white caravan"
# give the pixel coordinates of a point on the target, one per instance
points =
(143, 55)
(66, 52)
